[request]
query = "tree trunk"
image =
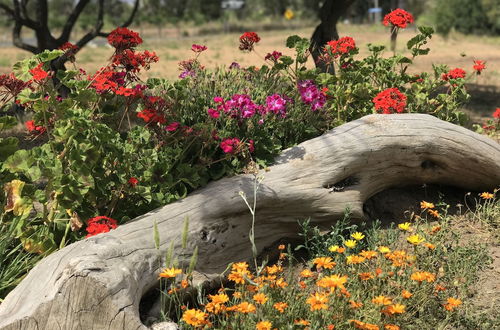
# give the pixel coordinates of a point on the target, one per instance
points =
(330, 13)
(98, 283)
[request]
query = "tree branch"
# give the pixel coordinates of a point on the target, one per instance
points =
(71, 21)
(17, 15)
(17, 40)
(96, 31)
(42, 14)
(24, 11)
(132, 14)
(9, 11)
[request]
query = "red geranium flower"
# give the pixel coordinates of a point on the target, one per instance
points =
(10, 86)
(453, 74)
(133, 182)
(479, 66)
(274, 56)
(132, 60)
(390, 101)
(100, 224)
(496, 114)
(33, 128)
(151, 116)
(248, 39)
(398, 18)
(38, 73)
(122, 38)
(342, 46)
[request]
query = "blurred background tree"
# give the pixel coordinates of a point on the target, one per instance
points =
(464, 16)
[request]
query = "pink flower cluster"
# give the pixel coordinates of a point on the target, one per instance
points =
(311, 95)
(241, 106)
(198, 48)
(238, 106)
(274, 56)
(277, 103)
(235, 145)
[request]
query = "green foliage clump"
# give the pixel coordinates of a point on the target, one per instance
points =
(467, 16)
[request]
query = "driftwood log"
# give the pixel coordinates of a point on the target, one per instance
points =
(98, 283)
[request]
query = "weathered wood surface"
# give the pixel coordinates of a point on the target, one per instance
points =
(98, 283)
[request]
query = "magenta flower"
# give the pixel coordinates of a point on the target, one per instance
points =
(213, 113)
(310, 94)
(230, 145)
(172, 127)
(276, 104)
(198, 48)
(274, 56)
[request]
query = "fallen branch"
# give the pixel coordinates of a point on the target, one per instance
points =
(99, 282)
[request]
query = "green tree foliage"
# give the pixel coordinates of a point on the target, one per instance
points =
(467, 16)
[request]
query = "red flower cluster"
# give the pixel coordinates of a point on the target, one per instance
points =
(122, 38)
(107, 80)
(132, 61)
(151, 116)
(38, 73)
(198, 48)
(479, 66)
(248, 40)
(135, 92)
(100, 224)
(390, 101)
(10, 86)
(398, 18)
(453, 74)
(274, 56)
(68, 47)
(69, 50)
(34, 129)
(496, 114)
(341, 47)
(133, 182)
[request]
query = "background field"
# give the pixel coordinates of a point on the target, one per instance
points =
(457, 51)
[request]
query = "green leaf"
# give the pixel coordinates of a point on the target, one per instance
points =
(8, 146)
(415, 40)
(7, 122)
(404, 59)
(22, 68)
(427, 30)
(286, 60)
(417, 51)
(27, 95)
(20, 161)
(291, 41)
(49, 55)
